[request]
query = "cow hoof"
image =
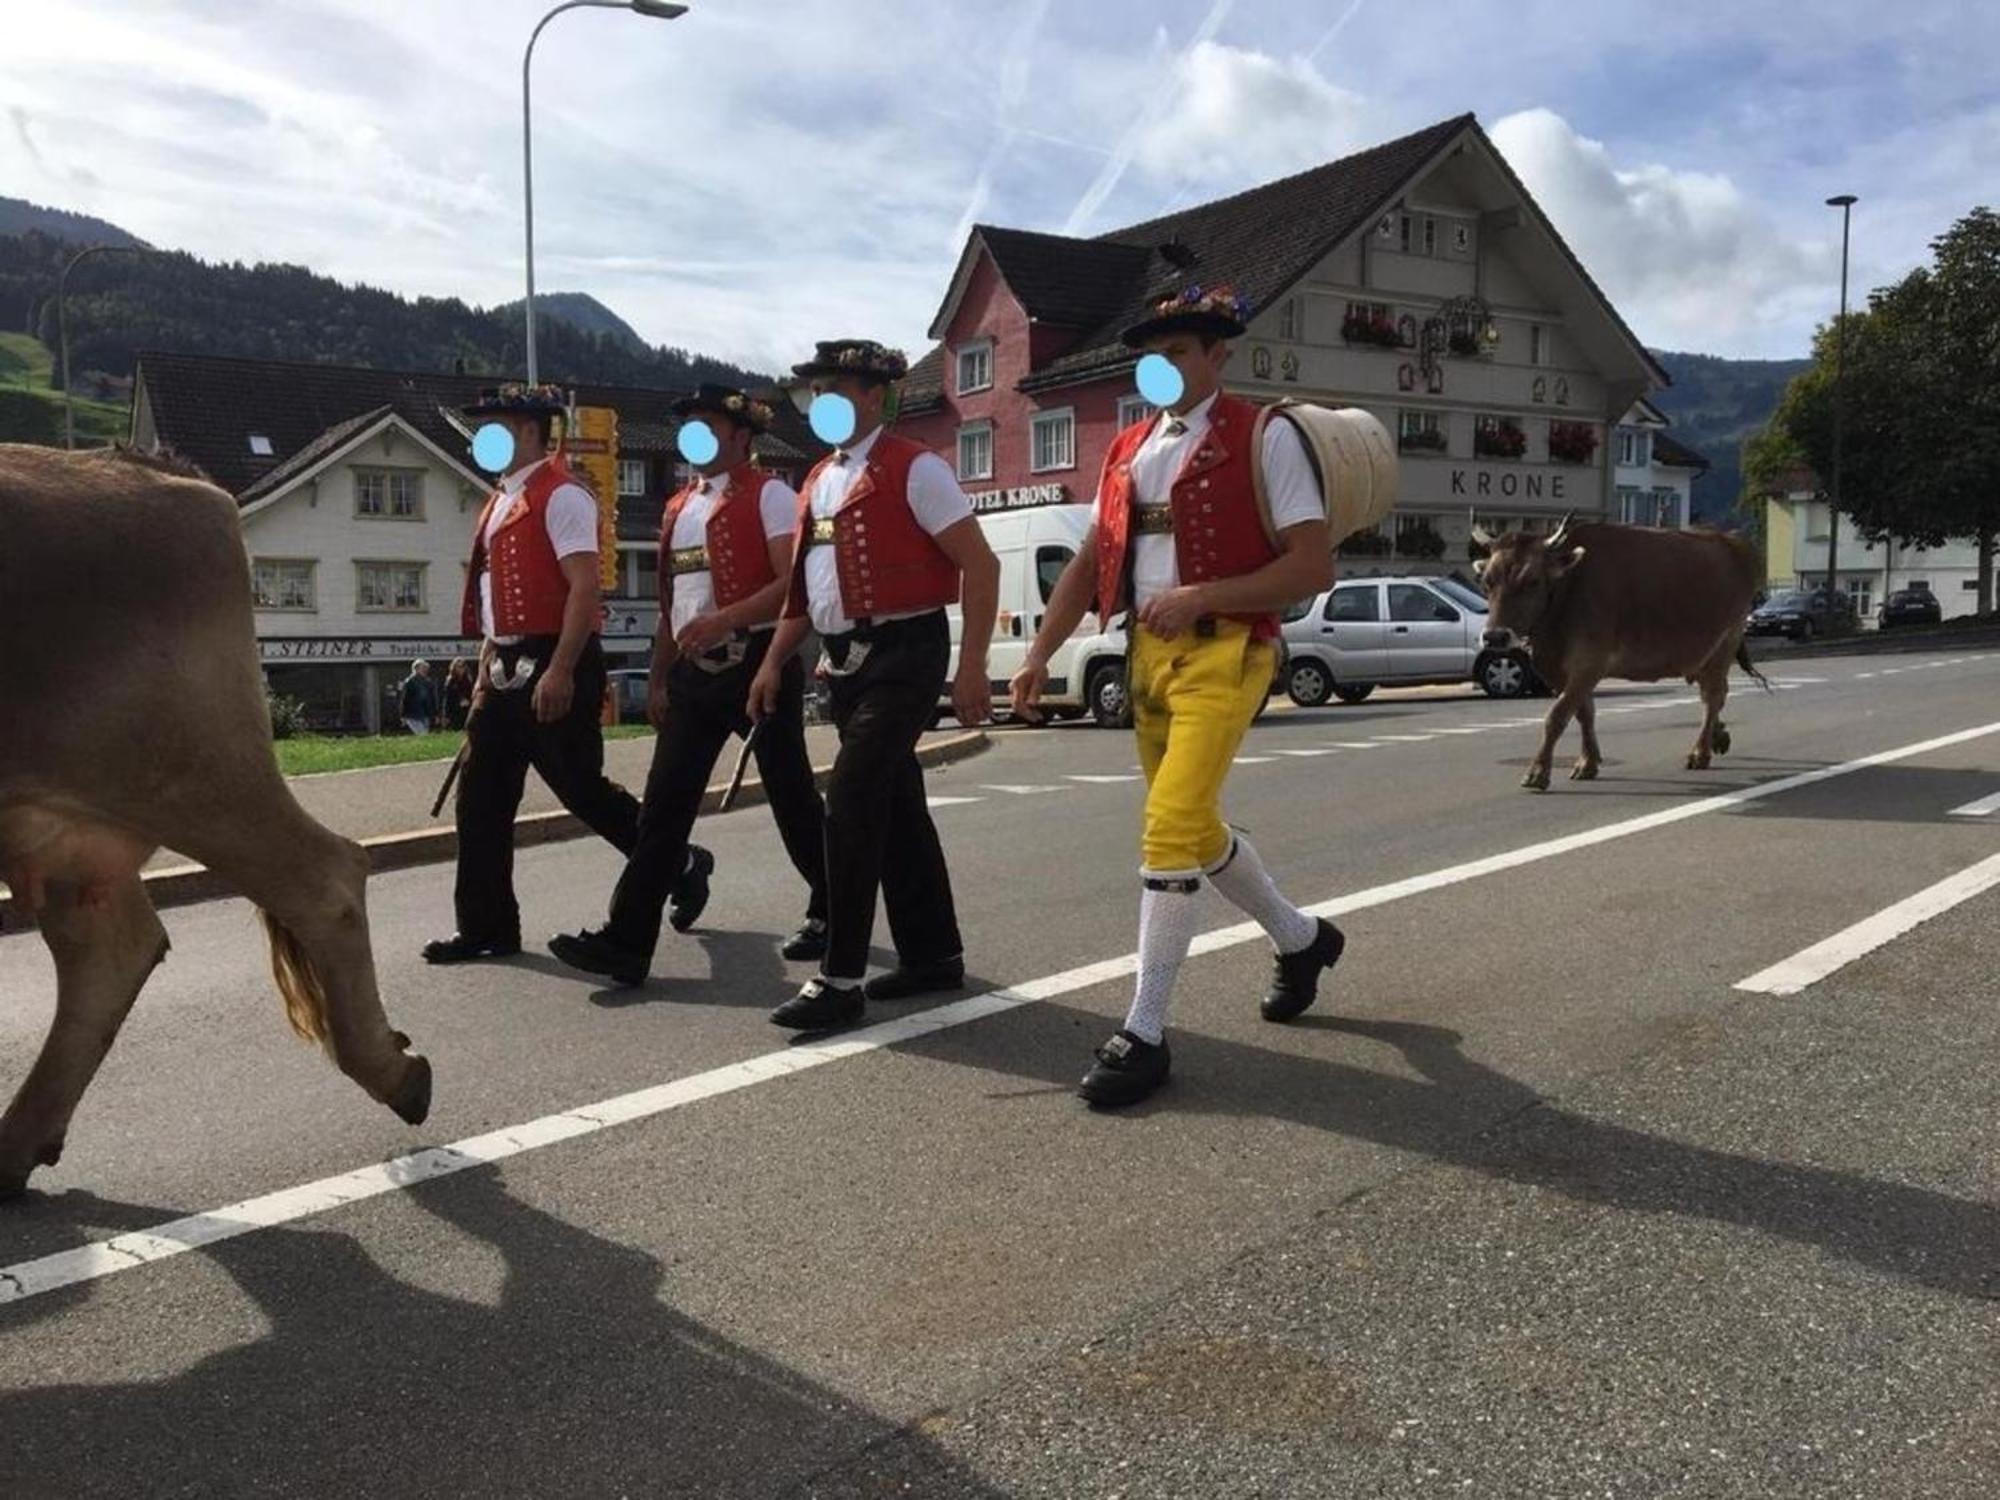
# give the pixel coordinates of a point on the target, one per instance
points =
(12, 1187)
(1721, 742)
(1536, 781)
(1583, 770)
(413, 1100)
(1697, 761)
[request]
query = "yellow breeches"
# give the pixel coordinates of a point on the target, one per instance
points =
(1192, 699)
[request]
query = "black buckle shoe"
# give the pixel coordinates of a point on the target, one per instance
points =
(1295, 976)
(907, 981)
(598, 953)
(808, 943)
(821, 1006)
(459, 949)
(1127, 1070)
(689, 897)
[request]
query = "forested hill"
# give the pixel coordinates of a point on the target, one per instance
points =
(1714, 405)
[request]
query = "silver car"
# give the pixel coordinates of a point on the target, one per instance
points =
(1397, 632)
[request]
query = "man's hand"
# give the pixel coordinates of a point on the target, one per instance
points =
(972, 694)
(703, 633)
(1175, 610)
(656, 704)
(764, 693)
(1025, 691)
(554, 694)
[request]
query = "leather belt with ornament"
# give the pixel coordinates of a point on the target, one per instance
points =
(821, 532)
(1153, 520)
(684, 560)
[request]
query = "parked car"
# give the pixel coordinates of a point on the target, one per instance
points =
(1910, 607)
(1087, 673)
(1397, 632)
(1802, 615)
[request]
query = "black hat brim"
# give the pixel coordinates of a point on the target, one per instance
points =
(1206, 324)
(512, 407)
(696, 406)
(815, 369)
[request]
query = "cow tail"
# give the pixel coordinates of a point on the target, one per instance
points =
(1750, 667)
(298, 981)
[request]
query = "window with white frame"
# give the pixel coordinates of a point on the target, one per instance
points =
(1420, 432)
(1634, 506)
(1052, 441)
(282, 583)
(389, 587)
(1134, 409)
(631, 476)
(1628, 448)
(1666, 507)
(975, 451)
(389, 494)
(975, 367)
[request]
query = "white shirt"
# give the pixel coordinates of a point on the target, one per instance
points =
(694, 593)
(1291, 486)
(935, 500)
(571, 521)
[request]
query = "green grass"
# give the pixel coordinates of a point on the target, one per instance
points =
(25, 366)
(310, 754)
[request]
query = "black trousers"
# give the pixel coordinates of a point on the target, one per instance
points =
(505, 740)
(704, 710)
(879, 833)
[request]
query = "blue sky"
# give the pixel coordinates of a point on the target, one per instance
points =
(756, 175)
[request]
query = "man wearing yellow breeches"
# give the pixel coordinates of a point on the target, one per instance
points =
(1179, 546)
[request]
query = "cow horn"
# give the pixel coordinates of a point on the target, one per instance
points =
(1481, 537)
(1556, 537)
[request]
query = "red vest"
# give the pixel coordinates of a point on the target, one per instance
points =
(1217, 531)
(739, 556)
(529, 590)
(889, 565)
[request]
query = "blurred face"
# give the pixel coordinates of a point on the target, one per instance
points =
(1201, 364)
(868, 397)
(733, 439)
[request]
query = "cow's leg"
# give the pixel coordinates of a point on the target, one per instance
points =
(312, 887)
(1574, 694)
(1713, 739)
(1592, 757)
(104, 948)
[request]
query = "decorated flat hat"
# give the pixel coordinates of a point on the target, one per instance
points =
(725, 401)
(1212, 311)
(516, 399)
(861, 357)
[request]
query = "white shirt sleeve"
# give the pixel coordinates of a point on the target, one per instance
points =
(1292, 486)
(779, 508)
(935, 498)
(571, 520)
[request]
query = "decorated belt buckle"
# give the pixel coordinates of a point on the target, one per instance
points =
(822, 533)
(1154, 520)
(688, 560)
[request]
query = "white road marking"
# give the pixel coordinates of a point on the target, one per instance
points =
(1306, 754)
(1863, 676)
(1024, 791)
(1404, 739)
(1468, 729)
(1253, 760)
(32, 1278)
(1977, 809)
(1354, 745)
(1813, 964)
(948, 801)
(1103, 780)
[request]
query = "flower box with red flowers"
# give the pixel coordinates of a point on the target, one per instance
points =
(1495, 438)
(1572, 442)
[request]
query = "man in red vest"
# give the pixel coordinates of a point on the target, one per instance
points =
(885, 536)
(725, 566)
(531, 594)
(1180, 548)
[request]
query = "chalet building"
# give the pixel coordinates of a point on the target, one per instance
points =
(1653, 472)
(1418, 279)
(358, 497)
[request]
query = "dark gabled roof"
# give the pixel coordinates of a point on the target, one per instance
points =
(1068, 282)
(922, 389)
(207, 408)
(1674, 454)
(1260, 241)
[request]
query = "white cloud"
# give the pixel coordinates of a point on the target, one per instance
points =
(1240, 116)
(1686, 256)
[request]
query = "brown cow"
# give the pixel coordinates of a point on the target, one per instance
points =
(132, 716)
(1598, 601)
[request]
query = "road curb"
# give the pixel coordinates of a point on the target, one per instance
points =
(1875, 643)
(182, 885)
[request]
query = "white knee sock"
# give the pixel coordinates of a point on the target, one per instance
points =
(1168, 905)
(1243, 880)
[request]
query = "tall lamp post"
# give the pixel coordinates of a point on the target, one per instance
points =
(658, 10)
(1845, 203)
(62, 327)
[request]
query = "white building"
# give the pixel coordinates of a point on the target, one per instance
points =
(1796, 535)
(1653, 473)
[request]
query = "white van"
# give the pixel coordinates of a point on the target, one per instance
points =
(1087, 673)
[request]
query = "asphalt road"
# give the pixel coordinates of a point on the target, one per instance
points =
(1536, 1202)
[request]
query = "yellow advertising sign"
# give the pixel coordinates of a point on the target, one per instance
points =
(590, 443)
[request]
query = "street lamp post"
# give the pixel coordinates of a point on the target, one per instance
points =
(1845, 203)
(62, 328)
(659, 10)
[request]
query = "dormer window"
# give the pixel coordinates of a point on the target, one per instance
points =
(260, 445)
(975, 367)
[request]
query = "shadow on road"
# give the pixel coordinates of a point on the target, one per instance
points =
(581, 1381)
